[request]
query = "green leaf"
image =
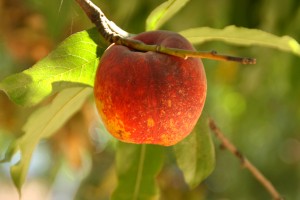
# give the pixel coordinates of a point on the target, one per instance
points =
(42, 124)
(137, 167)
(163, 13)
(74, 62)
(195, 155)
(242, 36)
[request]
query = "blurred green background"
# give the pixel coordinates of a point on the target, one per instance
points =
(256, 106)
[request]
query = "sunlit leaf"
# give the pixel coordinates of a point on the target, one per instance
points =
(242, 36)
(73, 62)
(137, 167)
(163, 13)
(41, 124)
(195, 154)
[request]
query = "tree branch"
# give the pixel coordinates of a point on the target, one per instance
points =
(244, 161)
(108, 29)
(114, 34)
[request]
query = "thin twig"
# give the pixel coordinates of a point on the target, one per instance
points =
(114, 34)
(135, 44)
(244, 161)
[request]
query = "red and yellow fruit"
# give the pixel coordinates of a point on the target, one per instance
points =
(149, 97)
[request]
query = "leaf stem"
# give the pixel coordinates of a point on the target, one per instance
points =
(244, 161)
(114, 34)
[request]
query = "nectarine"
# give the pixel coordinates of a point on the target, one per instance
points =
(150, 97)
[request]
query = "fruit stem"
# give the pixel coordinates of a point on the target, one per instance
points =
(114, 34)
(138, 45)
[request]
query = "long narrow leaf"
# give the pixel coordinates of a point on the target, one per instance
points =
(42, 124)
(163, 13)
(242, 36)
(195, 154)
(137, 167)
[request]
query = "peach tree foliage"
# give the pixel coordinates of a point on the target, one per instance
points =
(68, 72)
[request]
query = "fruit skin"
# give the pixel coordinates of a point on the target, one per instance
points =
(149, 97)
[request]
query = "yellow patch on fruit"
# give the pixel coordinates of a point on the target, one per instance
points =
(164, 138)
(150, 122)
(169, 103)
(114, 125)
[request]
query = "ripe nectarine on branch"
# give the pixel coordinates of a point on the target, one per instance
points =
(149, 88)
(149, 97)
